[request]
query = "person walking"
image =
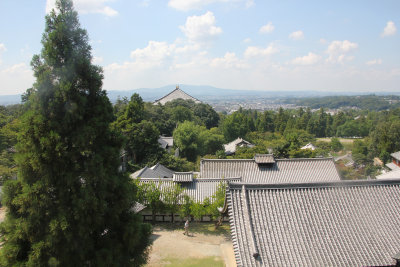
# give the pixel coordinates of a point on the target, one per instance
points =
(186, 228)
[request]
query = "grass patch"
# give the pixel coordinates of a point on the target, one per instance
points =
(195, 262)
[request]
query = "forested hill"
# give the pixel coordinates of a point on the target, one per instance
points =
(368, 102)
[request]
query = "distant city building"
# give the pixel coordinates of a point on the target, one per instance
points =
(230, 148)
(175, 94)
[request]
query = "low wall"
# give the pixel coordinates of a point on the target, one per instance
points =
(163, 217)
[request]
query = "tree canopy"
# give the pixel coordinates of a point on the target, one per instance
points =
(70, 206)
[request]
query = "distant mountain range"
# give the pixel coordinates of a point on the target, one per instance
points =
(205, 92)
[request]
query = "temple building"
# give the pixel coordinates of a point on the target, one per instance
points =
(175, 94)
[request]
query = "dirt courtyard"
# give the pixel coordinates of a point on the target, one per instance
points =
(204, 246)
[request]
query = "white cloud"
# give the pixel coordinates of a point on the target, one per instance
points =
(309, 59)
(201, 29)
(389, 30)
(185, 5)
(16, 79)
(268, 28)
(253, 51)
(338, 50)
(297, 35)
(187, 64)
(374, 62)
(228, 61)
(88, 6)
(154, 54)
(2, 49)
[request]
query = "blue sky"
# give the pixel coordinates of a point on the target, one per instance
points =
(336, 46)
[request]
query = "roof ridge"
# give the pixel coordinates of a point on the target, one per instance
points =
(291, 159)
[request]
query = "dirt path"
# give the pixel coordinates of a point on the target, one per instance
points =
(171, 247)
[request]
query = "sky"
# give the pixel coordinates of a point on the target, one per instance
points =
(292, 45)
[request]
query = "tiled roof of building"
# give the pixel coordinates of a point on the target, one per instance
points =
(390, 175)
(157, 171)
(176, 94)
(166, 141)
(182, 177)
(352, 223)
(198, 189)
(396, 155)
(230, 148)
(264, 158)
(162, 171)
(309, 146)
(392, 166)
(282, 171)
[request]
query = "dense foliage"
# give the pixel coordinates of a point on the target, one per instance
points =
(172, 199)
(70, 206)
(366, 102)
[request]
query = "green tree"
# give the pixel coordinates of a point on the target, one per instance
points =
(186, 207)
(70, 206)
(181, 114)
(152, 197)
(217, 201)
(186, 138)
(360, 152)
(206, 114)
(234, 126)
(171, 199)
(210, 141)
(142, 141)
(336, 145)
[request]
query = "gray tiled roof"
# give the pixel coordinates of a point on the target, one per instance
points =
(198, 189)
(283, 171)
(162, 170)
(157, 171)
(166, 141)
(392, 166)
(352, 223)
(396, 155)
(176, 94)
(264, 158)
(182, 177)
(390, 175)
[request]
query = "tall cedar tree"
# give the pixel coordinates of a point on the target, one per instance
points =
(70, 206)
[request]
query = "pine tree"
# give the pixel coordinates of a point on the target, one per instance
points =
(70, 206)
